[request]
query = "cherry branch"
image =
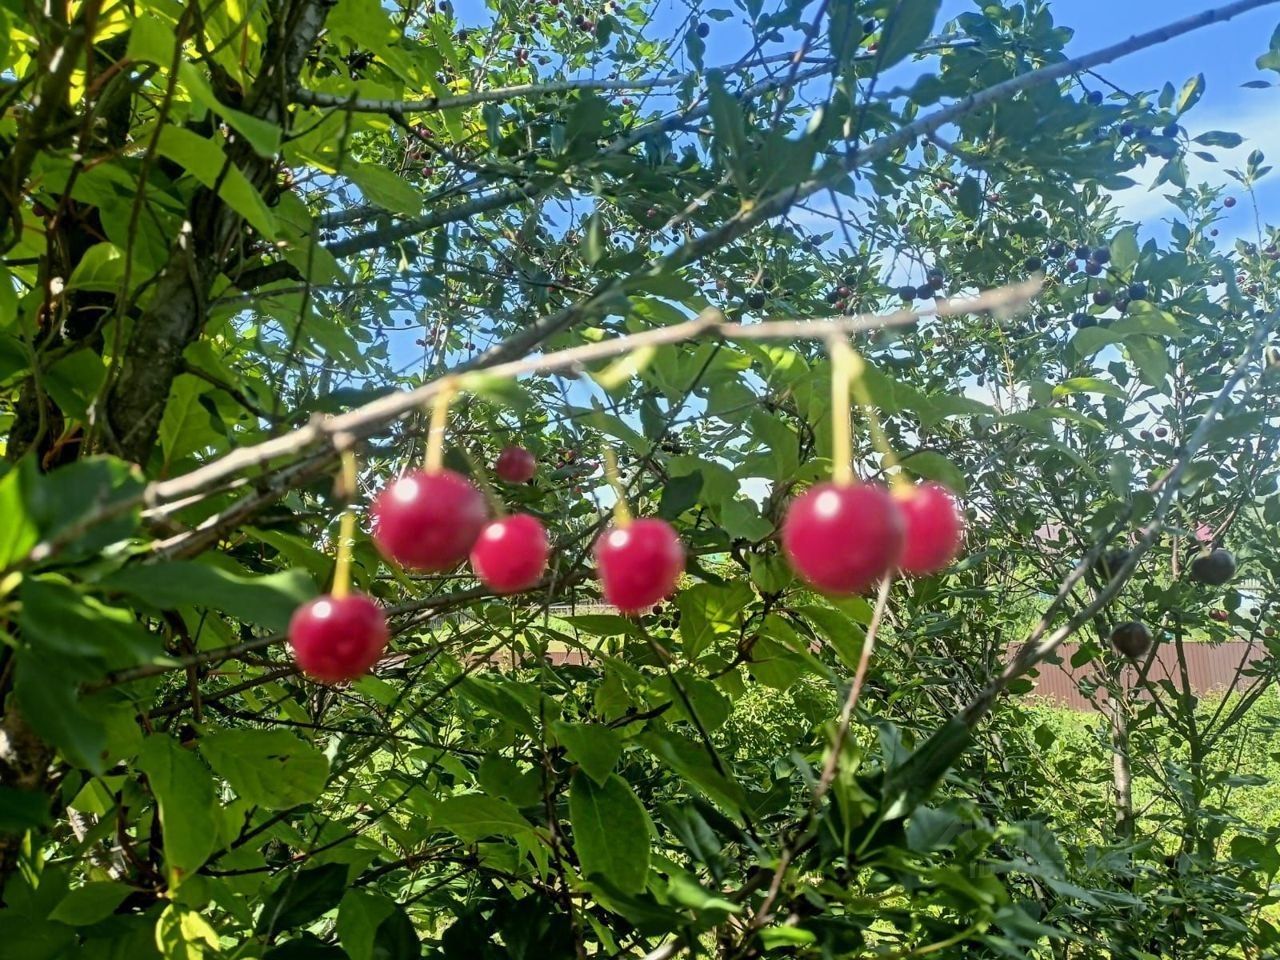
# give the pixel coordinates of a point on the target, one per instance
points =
(1042, 643)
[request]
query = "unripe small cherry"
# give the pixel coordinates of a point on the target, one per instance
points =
(515, 465)
(1132, 639)
(640, 563)
(428, 521)
(934, 528)
(842, 538)
(510, 554)
(338, 638)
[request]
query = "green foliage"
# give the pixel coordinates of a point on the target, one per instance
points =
(234, 236)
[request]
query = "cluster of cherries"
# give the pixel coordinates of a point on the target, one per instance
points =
(840, 538)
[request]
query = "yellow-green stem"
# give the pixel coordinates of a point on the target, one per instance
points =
(346, 528)
(842, 373)
(878, 439)
(481, 477)
(435, 434)
(621, 512)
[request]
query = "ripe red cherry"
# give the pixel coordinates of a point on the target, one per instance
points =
(934, 528)
(511, 553)
(428, 521)
(1222, 616)
(639, 564)
(338, 638)
(843, 538)
(515, 465)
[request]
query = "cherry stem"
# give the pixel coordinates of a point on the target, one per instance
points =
(434, 462)
(842, 373)
(481, 477)
(346, 528)
(878, 439)
(621, 512)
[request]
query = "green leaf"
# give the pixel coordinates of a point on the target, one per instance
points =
(101, 269)
(268, 601)
(1087, 385)
(18, 533)
(272, 769)
(1151, 359)
(60, 501)
(593, 241)
(1219, 138)
(907, 26)
(396, 938)
(709, 611)
(384, 188)
(1124, 249)
(730, 129)
(93, 902)
(1191, 93)
(182, 934)
(690, 761)
(187, 425)
(610, 831)
(934, 466)
(57, 619)
(22, 810)
(302, 897)
(592, 746)
(51, 706)
(184, 793)
(969, 198)
(680, 494)
(476, 816)
(359, 916)
(204, 160)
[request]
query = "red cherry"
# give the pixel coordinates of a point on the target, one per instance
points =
(511, 553)
(843, 538)
(1222, 616)
(515, 465)
(338, 638)
(428, 521)
(934, 528)
(639, 564)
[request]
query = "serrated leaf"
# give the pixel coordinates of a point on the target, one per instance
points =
(610, 831)
(272, 769)
(592, 746)
(907, 26)
(476, 816)
(184, 793)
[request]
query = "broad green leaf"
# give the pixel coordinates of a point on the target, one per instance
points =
(905, 29)
(934, 466)
(205, 160)
(272, 769)
(1220, 138)
(184, 793)
(268, 601)
(709, 611)
(610, 831)
(1191, 93)
(61, 502)
(183, 934)
(385, 188)
(691, 761)
(1151, 359)
(187, 426)
(1087, 385)
(476, 816)
(90, 903)
(22, 810)
(359, 916)
(18, 533)
(101, 269)
(57, 620)
(1124, 249)
(301, 897)
(594, 747)
(396, 938)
